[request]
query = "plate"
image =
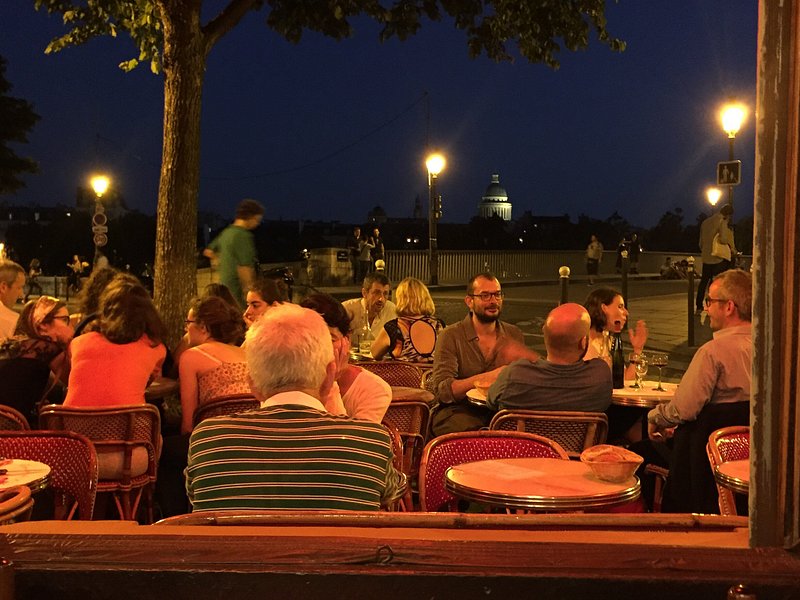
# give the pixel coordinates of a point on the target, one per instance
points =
(476, 397)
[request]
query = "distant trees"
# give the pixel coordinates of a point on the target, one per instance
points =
(17, 118)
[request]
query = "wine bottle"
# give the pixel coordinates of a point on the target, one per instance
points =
(617, 362)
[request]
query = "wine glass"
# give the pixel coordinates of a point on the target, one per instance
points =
(639, 361)
(659, 360)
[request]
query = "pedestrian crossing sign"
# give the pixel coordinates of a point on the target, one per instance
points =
(729, 172)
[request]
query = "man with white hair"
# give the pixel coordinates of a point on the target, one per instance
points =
(12, 284)
(290, 454)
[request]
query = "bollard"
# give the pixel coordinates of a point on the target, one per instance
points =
(624, 269)
(690, 280)
(563, 273)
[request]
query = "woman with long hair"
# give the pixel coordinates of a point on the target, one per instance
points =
(412, 335)
(34, 361)
(609, 316)
(214, 365)
(113, 364)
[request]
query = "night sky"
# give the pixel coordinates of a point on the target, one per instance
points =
(327, 130)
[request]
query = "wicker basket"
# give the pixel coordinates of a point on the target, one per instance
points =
(611, 463)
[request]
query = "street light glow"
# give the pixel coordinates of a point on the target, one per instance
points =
(713, 194)
(732, 116)
(435, 163)
(100, 184)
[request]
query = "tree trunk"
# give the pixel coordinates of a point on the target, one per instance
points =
(176, 226)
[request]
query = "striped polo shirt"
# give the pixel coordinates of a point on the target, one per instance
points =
(289, 456)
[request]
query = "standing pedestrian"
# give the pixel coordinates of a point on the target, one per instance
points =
(634, 249)
(378, 252)
(355, 253)
(234, 250)
(716, 257)
(34, 272)
(594, 254)
(75, 272)
(365, 246)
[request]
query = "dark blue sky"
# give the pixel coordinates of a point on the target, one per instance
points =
(635, 132)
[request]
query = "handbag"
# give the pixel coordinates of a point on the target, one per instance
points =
(719, 249)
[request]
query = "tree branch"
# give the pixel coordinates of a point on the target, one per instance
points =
(226, 20)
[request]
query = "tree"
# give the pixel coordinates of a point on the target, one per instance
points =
(172, 37)
(17, 118)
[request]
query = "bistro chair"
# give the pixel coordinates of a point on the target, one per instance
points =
(395, 372)
(412, 419)
(574, 431)
(12, 420)
(224, 406)
(73, 466)
(128, 444)
(452, 449)
(16, 505)
(726, 444)
(402, 503)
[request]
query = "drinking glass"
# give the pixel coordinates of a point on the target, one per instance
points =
(639, 361)
(659, 360)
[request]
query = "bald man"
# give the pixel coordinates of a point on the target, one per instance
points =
(563, 380)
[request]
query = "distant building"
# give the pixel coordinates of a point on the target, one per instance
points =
(495, 201)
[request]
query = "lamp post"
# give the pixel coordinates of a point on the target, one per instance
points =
(713, 194)
(100, 185)
(435, 164)
(732, 116)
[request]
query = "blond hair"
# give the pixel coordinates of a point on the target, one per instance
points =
(413, 298)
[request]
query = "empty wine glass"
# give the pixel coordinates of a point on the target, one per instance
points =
(639, 361)
(659, 360)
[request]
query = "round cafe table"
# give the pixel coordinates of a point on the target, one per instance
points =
(543, 484)
(34, 474)
(645, 397)
(161, 388)
(734, 475)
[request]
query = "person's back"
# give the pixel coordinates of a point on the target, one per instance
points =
(543, 385)
(288, 457)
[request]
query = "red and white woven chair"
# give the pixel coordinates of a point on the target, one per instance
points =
(452, 449)
(726, 444)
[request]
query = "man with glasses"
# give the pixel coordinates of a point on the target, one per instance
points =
(475, 349)
(713, 393)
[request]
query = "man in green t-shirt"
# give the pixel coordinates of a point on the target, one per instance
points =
(234, 252)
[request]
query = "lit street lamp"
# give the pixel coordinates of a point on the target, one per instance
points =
(435, 164)
(713, 194)
(100, 185)
(732, 116)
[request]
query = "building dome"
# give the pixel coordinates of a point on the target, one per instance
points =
(495, 201)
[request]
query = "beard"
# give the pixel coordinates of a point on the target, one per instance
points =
(486, 319)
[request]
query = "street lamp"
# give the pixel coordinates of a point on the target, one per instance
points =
(732, 116)
(435, 164)
(713, 194)
(100, 185)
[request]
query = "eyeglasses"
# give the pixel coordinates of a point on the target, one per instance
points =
(64, 318)
(708, 300)
(187, 321)
(486, 296)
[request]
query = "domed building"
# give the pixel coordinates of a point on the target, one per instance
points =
(495, 201)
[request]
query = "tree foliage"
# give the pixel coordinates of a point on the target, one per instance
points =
(172, 37)
(17, 118)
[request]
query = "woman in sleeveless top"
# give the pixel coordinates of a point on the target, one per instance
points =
(215, 365)
(412, 335)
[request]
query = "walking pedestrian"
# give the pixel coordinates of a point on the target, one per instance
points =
(594, 254)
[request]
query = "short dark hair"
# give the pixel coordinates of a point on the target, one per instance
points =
(485, 275)
(222, 321)
(249, 208)
(726, 210)
(271, 290)
(602, 296)
(375, 277)
(331, 310)
(220, 290)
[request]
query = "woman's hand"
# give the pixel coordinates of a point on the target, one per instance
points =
(638, 336)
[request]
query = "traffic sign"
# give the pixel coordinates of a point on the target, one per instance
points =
(99, 218)
(729, 172)
(100, 229)
(100, 239)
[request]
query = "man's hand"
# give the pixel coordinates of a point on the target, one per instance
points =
(510, 351)
(659, 434)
